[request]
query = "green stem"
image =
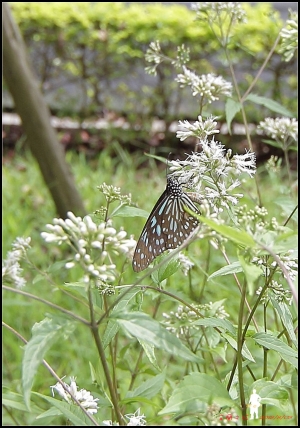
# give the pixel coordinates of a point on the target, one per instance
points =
(95, 332)
(240, 342)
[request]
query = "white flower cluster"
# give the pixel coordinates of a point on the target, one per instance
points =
(84, 397)
(199, 128)
(290, 262)
(281, 129)
(11, 269)
(84, 237)
(277, 291)
(181, 321)
(214, 10)
(183, 56)
(185, 263)
(255, 220)
(289, 37)
(212, 172)
(154, 56)
(208, 86)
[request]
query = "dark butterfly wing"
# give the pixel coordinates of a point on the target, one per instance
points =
(167, 227)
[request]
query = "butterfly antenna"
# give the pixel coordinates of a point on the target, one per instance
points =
(168, 164)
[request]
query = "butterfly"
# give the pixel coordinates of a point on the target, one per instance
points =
(168, 225)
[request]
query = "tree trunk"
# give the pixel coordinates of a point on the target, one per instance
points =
(35, 117)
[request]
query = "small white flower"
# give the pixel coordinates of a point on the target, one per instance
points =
(185, 263)
(92, 227)
(232, 11)
(135, 419)
(198, 129)
(84, 237)
(61, 391)
(69, 265)
(282, 129)
(83, 396)
(289, 37)
(208, 86)
(11, 269)
(212, 173)
(245, 163)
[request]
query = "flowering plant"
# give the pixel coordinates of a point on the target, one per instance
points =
(175, 350)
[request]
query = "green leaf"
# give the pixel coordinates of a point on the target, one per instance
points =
(288, 206)
(161, 159)
(197, 390)
(272, 143)
(143, 327)
(216, 322)
(286, 318)
(51, 413)
(231, 109)
(234, 267)
(166, 270)
(127, 211)
(272, 393)
(44, 335)
(252, 273)
(14, 401)
(286, 242)
(245, 351)
(149, 388)
(70, 411)
(270, 342)
(150, 352)
(270, 104)
(240, 237)
(112, 326)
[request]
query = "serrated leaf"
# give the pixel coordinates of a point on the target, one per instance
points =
(270, 104)
(143, 327)
(231, 109)
(234, 267)
(127, 211)
(44, 335)
(197, 388)
(270, 342)
(240, 237)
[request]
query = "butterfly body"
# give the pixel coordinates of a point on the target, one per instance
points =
(167, 227)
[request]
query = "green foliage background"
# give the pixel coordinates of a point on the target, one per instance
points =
(101, 46)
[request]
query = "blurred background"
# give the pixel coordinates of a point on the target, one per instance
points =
(89, 61)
